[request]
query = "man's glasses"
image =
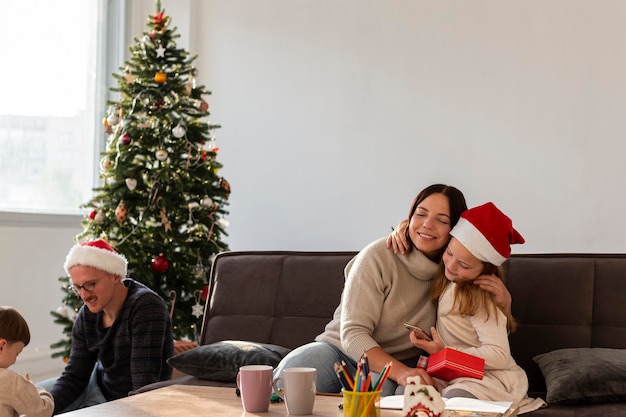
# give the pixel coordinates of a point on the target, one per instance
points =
(87, 286)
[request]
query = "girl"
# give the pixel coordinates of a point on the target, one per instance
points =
(468, 318)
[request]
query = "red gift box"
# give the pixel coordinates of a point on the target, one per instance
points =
(449, 364)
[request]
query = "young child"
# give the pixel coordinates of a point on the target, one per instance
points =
(18, 396)
(468, 318)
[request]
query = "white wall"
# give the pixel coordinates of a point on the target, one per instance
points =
(336, 113)
(32, 251)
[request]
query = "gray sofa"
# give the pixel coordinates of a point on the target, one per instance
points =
(575, 302)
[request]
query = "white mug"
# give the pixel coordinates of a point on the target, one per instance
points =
(299, 389)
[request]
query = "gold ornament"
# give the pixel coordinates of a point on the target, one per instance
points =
(160, 77)
(166, 222)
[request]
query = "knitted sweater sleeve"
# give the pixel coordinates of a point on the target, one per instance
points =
(21, 397)
(381, 292)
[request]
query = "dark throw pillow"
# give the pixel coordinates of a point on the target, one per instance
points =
(220, 361)
(584, 375)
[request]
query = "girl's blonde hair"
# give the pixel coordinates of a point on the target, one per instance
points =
(470, 298)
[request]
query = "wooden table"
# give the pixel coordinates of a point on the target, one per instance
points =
(193, 400)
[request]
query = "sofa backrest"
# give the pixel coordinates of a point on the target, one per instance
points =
(279, 297)
(565, 301)
(287, 297)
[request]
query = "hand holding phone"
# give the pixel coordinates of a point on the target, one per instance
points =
(421, 334)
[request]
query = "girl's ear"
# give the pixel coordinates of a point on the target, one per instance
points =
(3, 343)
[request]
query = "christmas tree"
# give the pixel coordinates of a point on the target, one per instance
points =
(162, 201)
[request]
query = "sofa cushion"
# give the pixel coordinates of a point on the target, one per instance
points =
(220, 361)
(584, 375)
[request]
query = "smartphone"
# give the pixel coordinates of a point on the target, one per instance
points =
(421, 334)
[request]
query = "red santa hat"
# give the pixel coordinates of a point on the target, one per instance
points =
(97, 254)
(487, 233)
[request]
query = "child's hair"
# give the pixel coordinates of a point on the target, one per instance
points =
(469, 298)
(13, 326)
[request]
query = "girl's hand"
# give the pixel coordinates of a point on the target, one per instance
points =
(397, 239)
(495, 286)
(430, 346)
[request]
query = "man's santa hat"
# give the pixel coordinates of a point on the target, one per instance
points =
(487, 233)
(97, 254)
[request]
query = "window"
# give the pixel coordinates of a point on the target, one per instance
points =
(56, 57)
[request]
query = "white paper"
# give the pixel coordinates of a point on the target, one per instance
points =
(392, 402)
(395, 402)
(472, 404)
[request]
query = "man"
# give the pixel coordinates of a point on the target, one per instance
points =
(122, 335)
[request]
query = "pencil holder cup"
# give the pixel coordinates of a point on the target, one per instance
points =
(361, 404)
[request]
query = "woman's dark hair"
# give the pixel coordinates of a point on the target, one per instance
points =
(455, 197)
(456, 200)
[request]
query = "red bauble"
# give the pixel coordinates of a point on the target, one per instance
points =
(160, 264)
(125, 139)
(92, 215)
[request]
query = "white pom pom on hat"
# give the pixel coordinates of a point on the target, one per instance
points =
(96, 254)
(487, 233)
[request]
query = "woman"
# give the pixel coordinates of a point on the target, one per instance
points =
(382, 291)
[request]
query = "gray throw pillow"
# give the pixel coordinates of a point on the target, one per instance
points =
(584, 375)
(220, 361)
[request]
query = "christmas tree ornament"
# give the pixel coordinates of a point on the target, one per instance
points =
(113, 119)
(203, 106)
(206, 202)
(62, 311)
(92, 214)
(105, 163)
(198, 269)
(66, 311)
(161, 154)
(128, 75)
(125, 139)
(99, 218)
(178, 131)
(160, 52)
(121, 214)
(172, 296)
(105, 122)
(197, 310)
(160, 264)
(160, 78)
(209, 145)
(165, 221)
(131, 183)
(160, 23)
(225, 186)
